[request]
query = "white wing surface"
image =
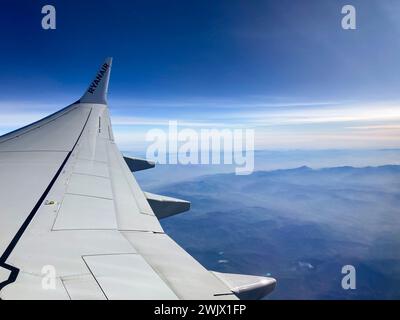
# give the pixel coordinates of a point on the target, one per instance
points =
(75, 224)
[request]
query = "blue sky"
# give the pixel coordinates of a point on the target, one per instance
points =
(285, 68)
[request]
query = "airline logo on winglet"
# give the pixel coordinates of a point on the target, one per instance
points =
(98, 78)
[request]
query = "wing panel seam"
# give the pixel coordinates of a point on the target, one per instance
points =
(14, 270)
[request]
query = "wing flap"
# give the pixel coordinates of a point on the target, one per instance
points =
(127, 276)
(184, 275)
(83, 287)
(133, 210)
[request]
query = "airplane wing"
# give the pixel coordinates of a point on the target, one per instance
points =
(75, 224)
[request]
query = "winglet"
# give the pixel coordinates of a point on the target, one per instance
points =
(97, 91)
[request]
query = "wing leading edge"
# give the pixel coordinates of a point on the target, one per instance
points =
(75, 224)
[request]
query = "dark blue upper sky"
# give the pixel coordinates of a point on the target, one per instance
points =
(204, 48)
(213, 54)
